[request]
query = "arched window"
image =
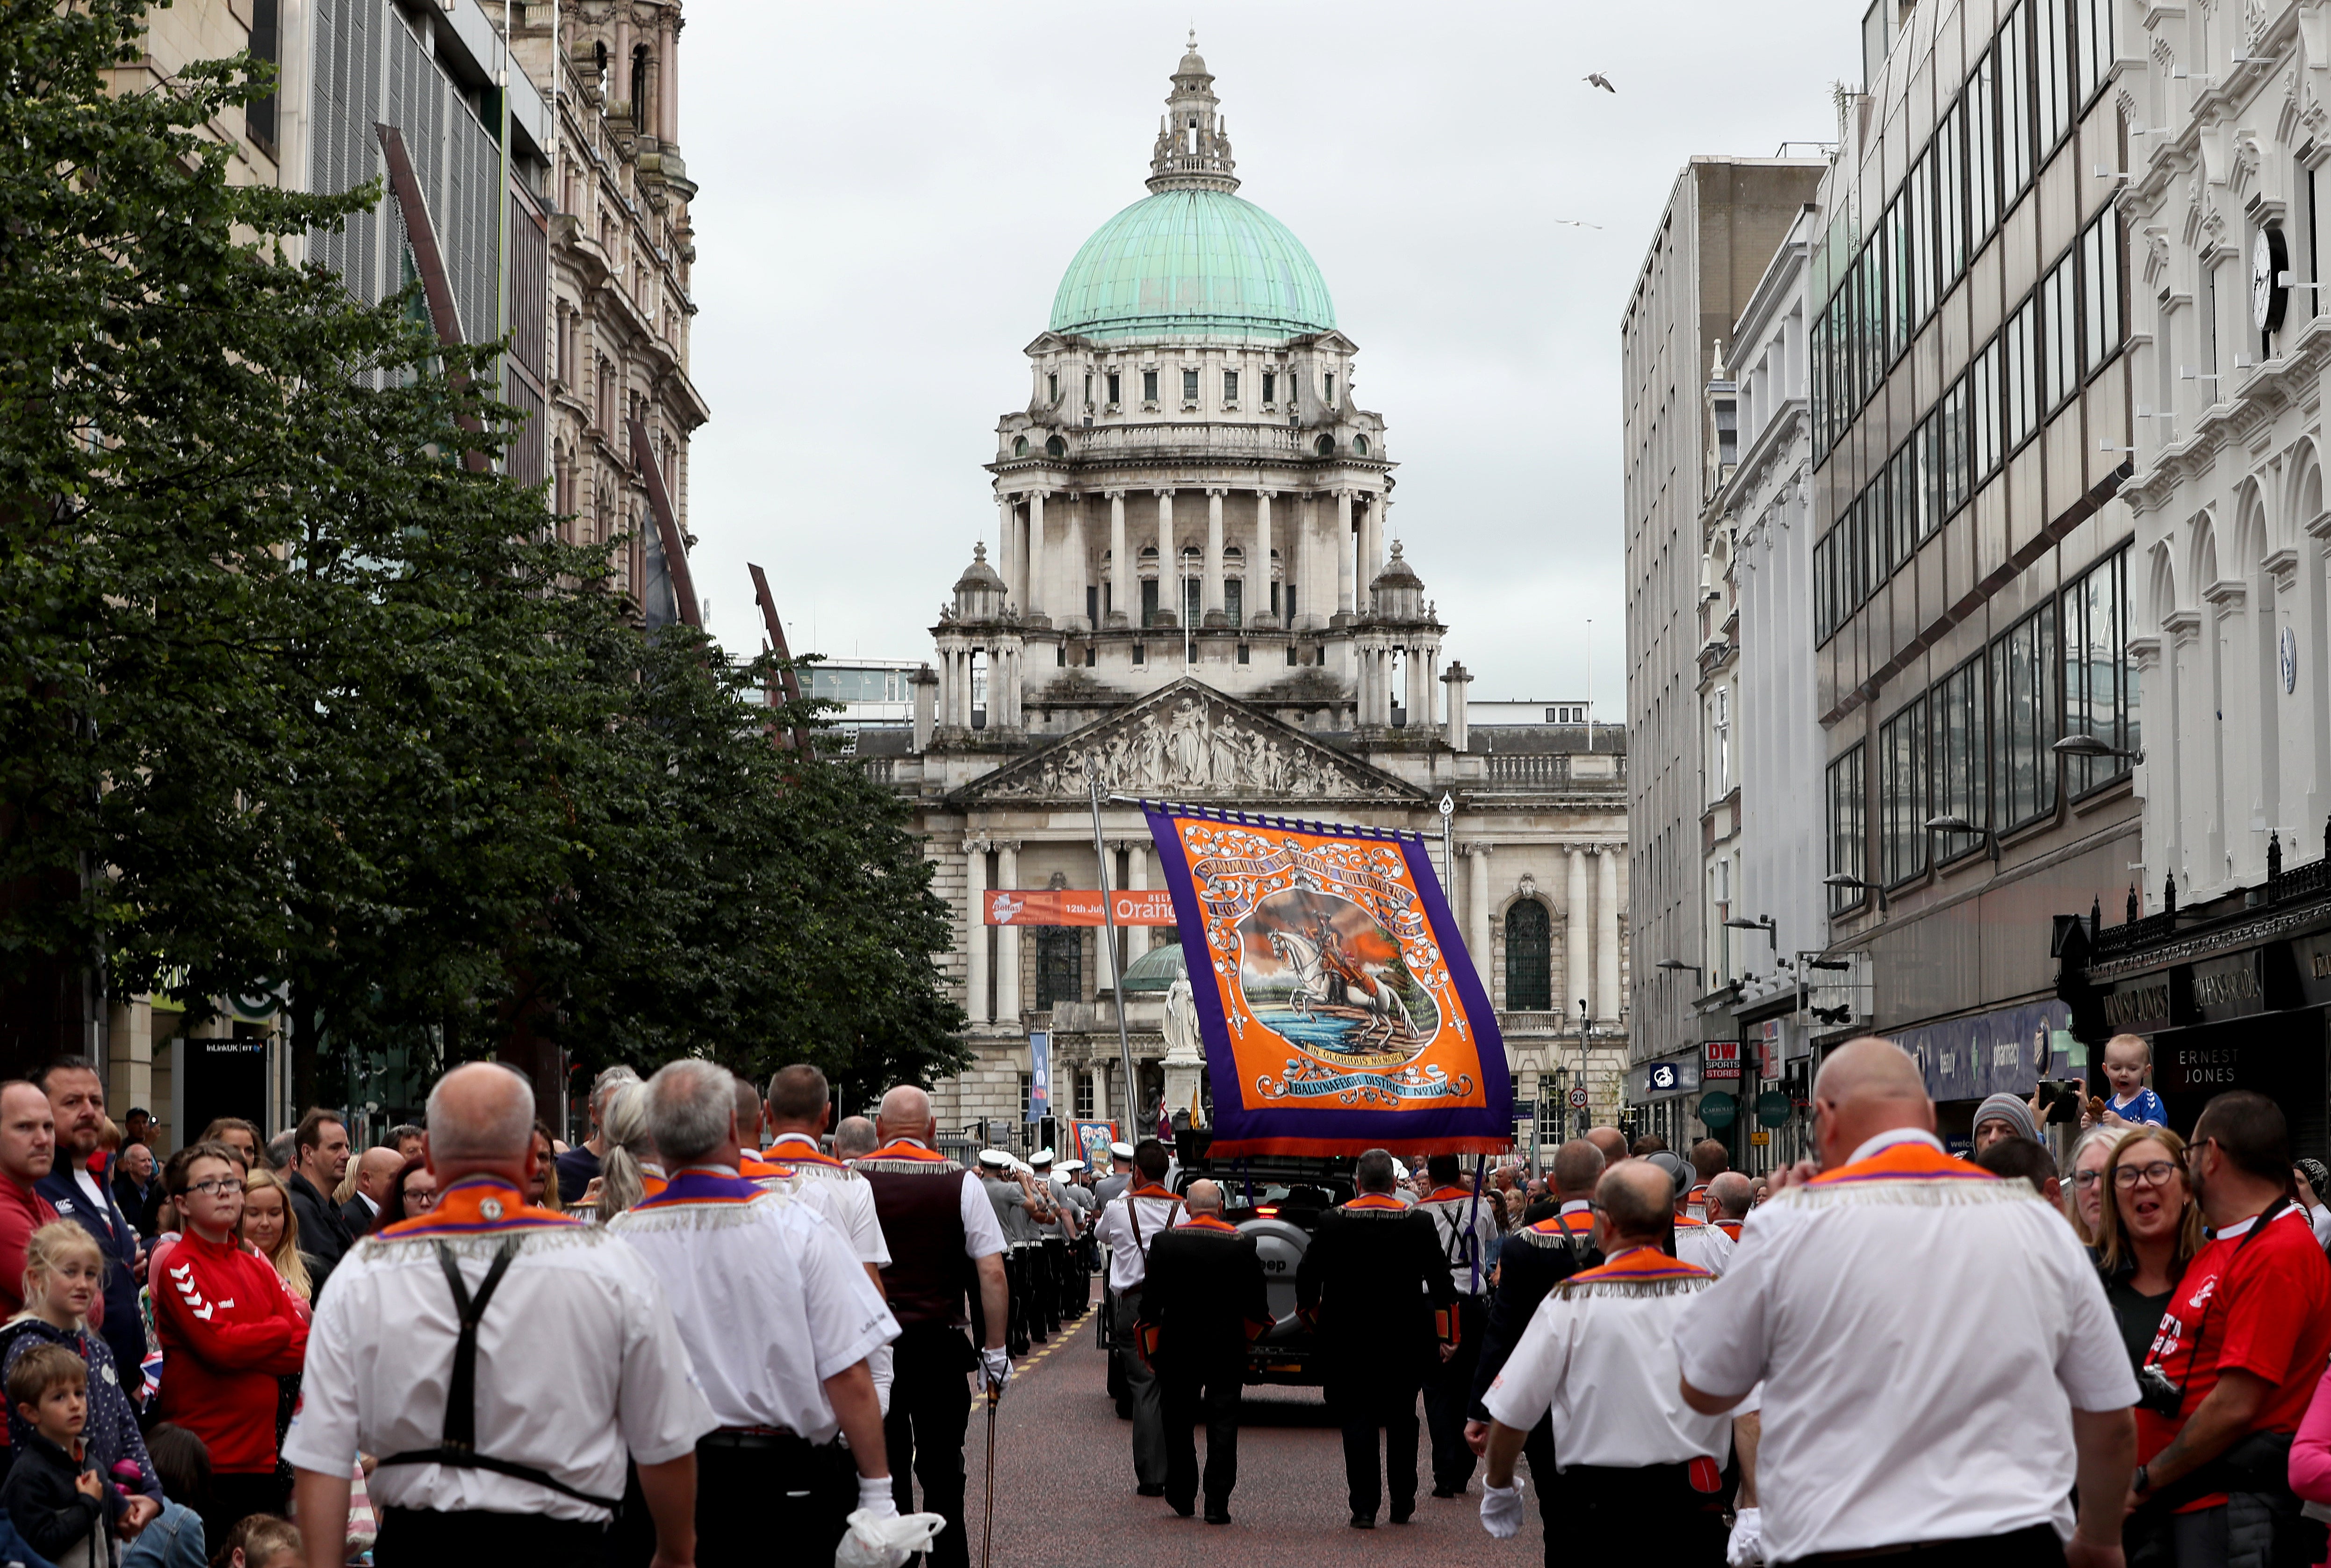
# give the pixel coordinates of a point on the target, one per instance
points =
(1529, 960)
(1359, 446)
(1020, 446)
(1059, 966)
(1056, 447)
(1327, 446)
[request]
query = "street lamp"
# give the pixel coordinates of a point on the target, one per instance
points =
(2089, 745)
(1680, 963)
(1764, 923)
(1958, 824)
(1840, 879)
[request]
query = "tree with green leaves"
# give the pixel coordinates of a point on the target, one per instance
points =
(299, 704)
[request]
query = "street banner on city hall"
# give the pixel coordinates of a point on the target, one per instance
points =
(1074, 907)
(1337, 1007)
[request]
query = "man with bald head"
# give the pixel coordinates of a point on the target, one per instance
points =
(560, 1332)
(1939, 1366)
(1611, 1140)
(1598, 1363)
(1730, 1196)
(375, 1175)
(934, 1215)
(1203, 1300)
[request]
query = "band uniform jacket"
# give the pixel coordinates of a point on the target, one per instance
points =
(1375, 1286)
(1533, 1261)
(1204, 1298)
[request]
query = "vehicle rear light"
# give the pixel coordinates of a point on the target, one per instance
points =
(1267, 1209)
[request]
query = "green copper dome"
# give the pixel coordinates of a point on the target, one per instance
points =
(1186, 262)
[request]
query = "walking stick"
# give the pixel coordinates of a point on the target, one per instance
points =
(987, 1526)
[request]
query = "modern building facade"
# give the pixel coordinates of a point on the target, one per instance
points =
(1725, 218)
(1196, 594)
(1970, 404)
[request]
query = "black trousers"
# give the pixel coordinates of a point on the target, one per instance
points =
(1605, 1510)
(1204, 1391)
(1449, 1394)
(1553, 1501)
(783, 1491)
(930, 1409)
(1015, 1289)
(2033, 1546)
(1056, 1279)
(422, 1538)
(1363, 1407)
(235, 1497)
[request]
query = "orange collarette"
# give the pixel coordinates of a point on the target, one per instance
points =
(1905, 1162)
(906, 1149)
(1375, 1200)
(1443, 1194)
(1206, 1222)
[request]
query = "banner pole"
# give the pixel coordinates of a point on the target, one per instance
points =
(1116, 965)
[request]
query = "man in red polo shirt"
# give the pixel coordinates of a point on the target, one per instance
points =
(2239, 1349)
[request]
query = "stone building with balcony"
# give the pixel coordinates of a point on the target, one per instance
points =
(1196, 594)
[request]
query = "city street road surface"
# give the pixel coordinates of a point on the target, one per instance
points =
(1065, 1485)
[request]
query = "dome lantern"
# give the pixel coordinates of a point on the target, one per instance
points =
(979, 592)
(1193, 259)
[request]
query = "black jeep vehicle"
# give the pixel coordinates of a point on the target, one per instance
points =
(1277, 1198)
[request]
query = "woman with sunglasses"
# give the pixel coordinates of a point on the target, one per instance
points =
(2148, 1228)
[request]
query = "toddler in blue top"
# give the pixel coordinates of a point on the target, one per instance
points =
(2126, 1058)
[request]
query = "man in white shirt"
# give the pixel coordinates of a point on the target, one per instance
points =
(799, 1106)
(1940, 1368)
(560, 1334)
(1599, 1357)
(780, 1321)
(1127, 1227)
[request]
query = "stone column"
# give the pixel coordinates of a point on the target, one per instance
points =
(1039, 599)
(1306, 558)
(1457, 679)
(1100, 1071)
(1429, 690)
(1007, 547)
(1165, 563)
(927, 688)
(1210, 602)
(1606, 933)
(668, 87)
(1007, 937)
(1258, 571)
(1479, 891)
(1124, 583)
(1577, 969)
(1137, 880)
(975, 946)
(1371, 543)
(1344, 601)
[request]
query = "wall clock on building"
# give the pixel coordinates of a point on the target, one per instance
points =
(2270, 260)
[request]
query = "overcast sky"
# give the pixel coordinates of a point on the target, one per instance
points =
(890, 194)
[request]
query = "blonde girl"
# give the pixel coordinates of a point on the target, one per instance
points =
(270, 1228)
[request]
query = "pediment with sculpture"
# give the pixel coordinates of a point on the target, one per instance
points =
(1188, 741)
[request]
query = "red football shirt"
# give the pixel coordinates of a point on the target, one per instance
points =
(2264, 1308)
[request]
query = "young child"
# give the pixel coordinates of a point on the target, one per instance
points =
(261, 1541)
(2126, 1058)
(55, 1498)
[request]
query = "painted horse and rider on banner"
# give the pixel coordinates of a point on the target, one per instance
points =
(1338, 1008)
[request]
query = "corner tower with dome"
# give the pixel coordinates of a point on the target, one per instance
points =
(1193, 547)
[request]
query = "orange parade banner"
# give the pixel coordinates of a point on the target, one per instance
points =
(1074, 907)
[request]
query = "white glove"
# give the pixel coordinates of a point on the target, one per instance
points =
(1501, 1510)
(996, 1366)
(876, 1497)
(1746, 1547)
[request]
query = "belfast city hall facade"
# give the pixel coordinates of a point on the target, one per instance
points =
(1195, 590)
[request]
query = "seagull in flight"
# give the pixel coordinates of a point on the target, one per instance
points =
(1599, 80)
(1578, 222)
